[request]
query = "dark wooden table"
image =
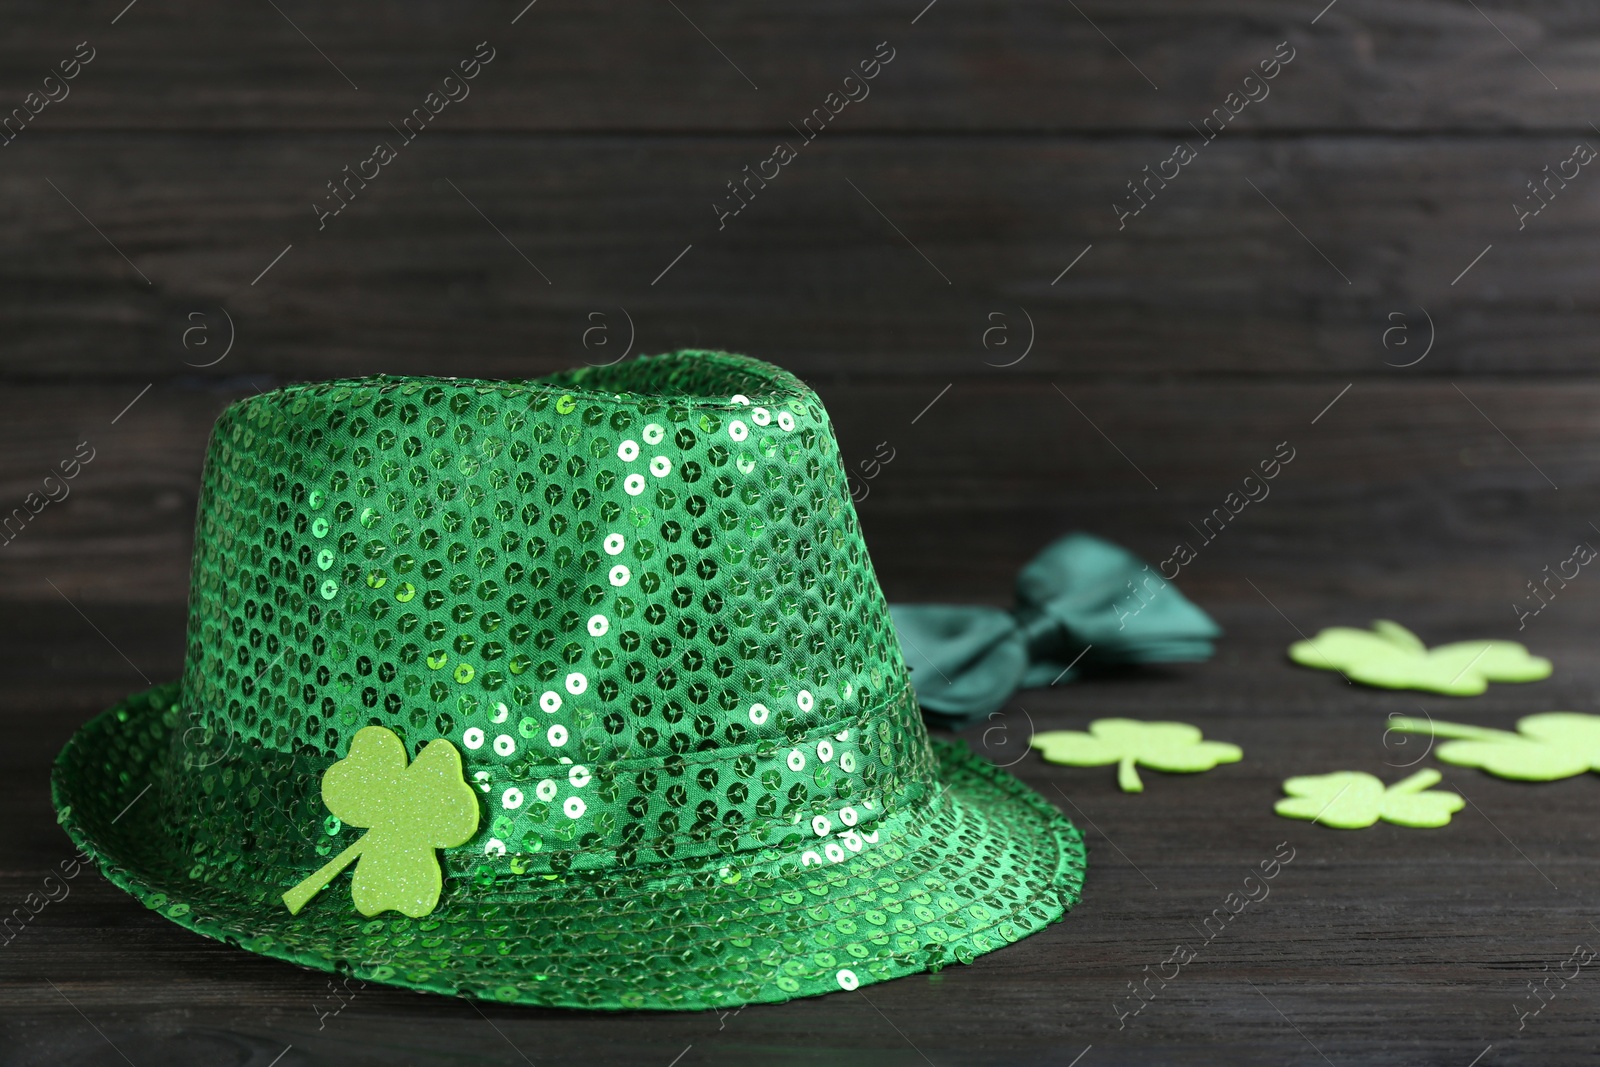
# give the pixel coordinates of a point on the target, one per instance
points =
(1345, 268)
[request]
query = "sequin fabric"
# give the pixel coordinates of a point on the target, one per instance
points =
(637, 600)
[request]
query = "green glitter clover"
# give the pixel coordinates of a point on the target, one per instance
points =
(1352, 800)
(408, 812)
(1165, 746)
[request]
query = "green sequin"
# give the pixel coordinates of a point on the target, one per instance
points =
(636, 599)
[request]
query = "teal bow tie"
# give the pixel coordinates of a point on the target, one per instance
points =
(1081, 601)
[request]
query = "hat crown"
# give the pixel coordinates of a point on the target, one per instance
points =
(635, 598)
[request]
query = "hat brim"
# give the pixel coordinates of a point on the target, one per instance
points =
(983, 863)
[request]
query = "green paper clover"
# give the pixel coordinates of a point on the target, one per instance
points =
(1548, 746)
(408, 812)
(1351, 800)
(1393, 657)
(1165, 746)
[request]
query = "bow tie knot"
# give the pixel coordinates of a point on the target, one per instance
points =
(1080, 600)
(1038, 630)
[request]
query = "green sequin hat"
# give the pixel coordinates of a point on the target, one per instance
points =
(591, 680)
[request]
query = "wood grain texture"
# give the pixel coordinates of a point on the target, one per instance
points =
(864, 257)
(146, 221)
(567, 65)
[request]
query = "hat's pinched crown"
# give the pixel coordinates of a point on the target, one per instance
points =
(636, 598)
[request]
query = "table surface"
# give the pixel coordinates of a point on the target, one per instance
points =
(1379, 946)
(1356, 267)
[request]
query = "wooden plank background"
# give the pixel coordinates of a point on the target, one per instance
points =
(945, 265)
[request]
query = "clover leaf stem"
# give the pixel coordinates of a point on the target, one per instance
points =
(1423, 779)
(1457, 730)
(1128, 776)
(1398, 635)
(301, 894)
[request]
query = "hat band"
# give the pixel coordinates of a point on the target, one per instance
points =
(615, 813)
